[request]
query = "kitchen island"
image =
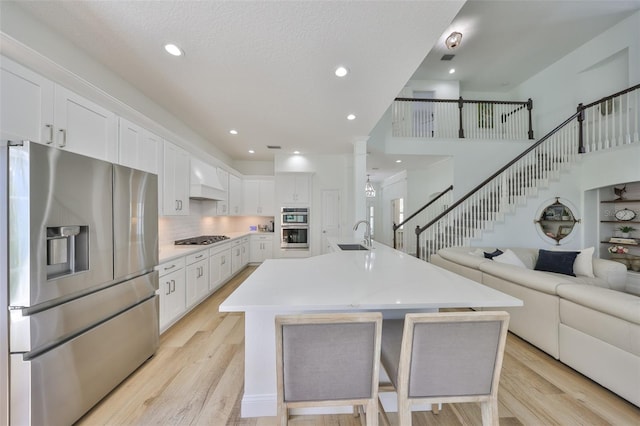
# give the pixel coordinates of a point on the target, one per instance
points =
(380, 279)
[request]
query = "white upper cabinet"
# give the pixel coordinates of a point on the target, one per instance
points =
(36, 109)
(137, 147)
(26, 109)
(294, 188)
(175, 180)
(235, 195)
(222, 206)
(84, 127)
(259, 197)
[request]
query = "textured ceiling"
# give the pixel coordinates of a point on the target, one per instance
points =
(266, 68)
(263, 68)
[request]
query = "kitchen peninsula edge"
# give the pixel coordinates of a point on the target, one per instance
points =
(379, 279)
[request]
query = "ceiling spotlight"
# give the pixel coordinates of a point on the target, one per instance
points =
(453, 40)
(398, 161)
(452, 70)
(296, 152)
(341, 71)
(233, 131)
(251, 151)
(351, 117)
(172, 49)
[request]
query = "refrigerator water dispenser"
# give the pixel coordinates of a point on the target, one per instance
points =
(67, 250)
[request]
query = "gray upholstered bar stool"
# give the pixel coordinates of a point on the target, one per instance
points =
(328, 360)
(445, 357)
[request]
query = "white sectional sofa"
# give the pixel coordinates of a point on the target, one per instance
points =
(591, 324)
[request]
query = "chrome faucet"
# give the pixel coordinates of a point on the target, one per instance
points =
(367, 231)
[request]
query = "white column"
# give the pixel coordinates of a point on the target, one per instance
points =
(359, 181)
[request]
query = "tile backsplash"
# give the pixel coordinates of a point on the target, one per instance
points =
(173, 228)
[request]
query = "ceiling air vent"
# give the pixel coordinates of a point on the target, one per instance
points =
(274, 147)
(447, 57)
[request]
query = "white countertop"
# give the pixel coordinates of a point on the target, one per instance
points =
(380, 279)
(170, 252)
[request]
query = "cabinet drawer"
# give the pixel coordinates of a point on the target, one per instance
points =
(196, 257)
(219, 248)
(168, 267)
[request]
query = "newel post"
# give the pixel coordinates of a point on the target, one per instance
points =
(460, 129)
(529, 108)
(581, 149)
(418, 239)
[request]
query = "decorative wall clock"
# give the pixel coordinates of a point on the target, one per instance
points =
(625, 214)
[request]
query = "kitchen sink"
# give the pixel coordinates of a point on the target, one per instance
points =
(352, 247)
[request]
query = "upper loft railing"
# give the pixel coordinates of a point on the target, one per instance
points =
(460, 118)
(609, 122)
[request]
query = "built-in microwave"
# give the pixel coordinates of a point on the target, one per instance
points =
(295, 216)
(294, 237)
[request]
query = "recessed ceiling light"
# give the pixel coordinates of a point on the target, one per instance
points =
(233, 131)
(452, 70)
(296, 152)
(341, 71)
(172, 49)
(251, 151)
(398, 161)
(351, 117)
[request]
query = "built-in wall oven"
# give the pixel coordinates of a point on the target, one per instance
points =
(294, 228)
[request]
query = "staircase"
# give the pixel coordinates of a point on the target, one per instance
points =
(609, 122)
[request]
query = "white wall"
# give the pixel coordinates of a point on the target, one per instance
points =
(473, 160)
(333, 172)
(602, 66)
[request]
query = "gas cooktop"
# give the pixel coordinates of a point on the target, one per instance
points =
(201, 240)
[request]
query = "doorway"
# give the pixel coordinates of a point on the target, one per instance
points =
(330, 217)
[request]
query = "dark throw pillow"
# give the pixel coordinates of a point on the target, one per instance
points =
(560, 262)
(498, 252)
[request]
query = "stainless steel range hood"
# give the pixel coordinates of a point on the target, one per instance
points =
(205, 184)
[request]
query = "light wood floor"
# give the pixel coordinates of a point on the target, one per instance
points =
(196, 377)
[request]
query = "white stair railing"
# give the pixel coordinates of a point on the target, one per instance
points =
(501, 193)
(610, 122)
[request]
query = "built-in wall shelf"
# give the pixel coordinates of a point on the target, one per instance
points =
(619, 202)
(620, 221)
(620, 244)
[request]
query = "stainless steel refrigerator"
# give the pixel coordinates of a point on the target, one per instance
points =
(81, 241)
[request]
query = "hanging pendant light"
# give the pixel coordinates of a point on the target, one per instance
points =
(369, 190)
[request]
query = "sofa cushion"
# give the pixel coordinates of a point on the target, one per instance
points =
(536, 280)
(509, 258)
(495, 253)
(611, 302)
(583, 265)
(462, 256)
(556, 261)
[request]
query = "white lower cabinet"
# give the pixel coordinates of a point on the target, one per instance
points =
(244, 252)
(219, 266)
(197, 277)
(236, 256)
(261, 248)
(172, 292)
